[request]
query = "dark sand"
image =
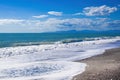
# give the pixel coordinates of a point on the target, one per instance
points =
(102, 67)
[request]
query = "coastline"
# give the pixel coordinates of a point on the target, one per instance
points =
(57, 61)
(101, 67)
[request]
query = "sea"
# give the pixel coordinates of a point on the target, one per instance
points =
(51, 56)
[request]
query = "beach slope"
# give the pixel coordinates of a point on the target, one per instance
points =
(102, 67)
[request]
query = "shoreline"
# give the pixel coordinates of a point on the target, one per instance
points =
(101, 67)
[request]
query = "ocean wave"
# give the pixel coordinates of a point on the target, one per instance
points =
(51, 61)
(61, 41)
(12, 51)
(72, 40)
(31, 43)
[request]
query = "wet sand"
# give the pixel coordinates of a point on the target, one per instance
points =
(102, 67)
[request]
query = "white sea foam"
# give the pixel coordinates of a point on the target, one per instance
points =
(49, 62)
(57, 70)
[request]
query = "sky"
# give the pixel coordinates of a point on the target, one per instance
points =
(37, 16)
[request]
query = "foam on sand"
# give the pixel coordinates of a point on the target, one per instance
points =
(56, 70)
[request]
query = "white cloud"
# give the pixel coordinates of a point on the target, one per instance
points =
(10, 21)
(54, 24)
(98, 11)
(40, 16)
(55, 13)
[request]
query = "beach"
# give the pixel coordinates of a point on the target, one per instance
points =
(62, 61)
(102, 67)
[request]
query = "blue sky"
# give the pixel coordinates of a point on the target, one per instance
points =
(56, 15)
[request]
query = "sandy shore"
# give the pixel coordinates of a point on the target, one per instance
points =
(102, 67)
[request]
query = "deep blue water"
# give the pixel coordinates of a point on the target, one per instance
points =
(23, 39)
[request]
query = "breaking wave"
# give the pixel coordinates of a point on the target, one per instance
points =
(51, 61)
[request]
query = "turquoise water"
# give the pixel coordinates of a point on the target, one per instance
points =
(24, 39)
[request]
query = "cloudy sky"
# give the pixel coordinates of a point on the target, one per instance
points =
(22, 16)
